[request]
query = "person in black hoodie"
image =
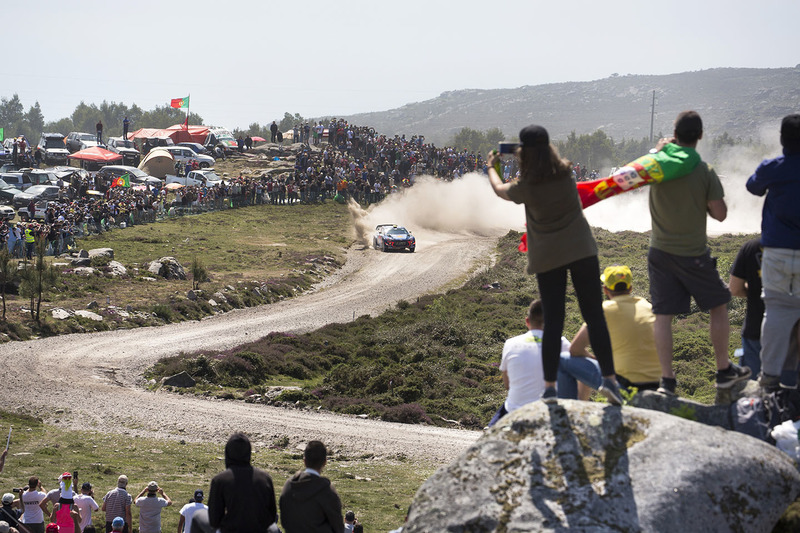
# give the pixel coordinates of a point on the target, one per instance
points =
(308, 502)
(241, 498)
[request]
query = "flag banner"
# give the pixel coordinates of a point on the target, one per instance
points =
(2, 135)
(669, 163)
(179, 103)
(122, 181)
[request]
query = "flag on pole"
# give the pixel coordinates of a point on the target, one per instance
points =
(180, 103)
(122, 181)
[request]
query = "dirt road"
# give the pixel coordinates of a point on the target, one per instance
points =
(104, 369)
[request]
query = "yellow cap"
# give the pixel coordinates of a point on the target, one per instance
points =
(614, 275)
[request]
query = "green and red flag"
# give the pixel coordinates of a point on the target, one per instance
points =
(669, 163)
(121, 181)
(180, 103)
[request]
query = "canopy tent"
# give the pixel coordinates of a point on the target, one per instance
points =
(158, 163)
(149, 133)
(96, 154)
(258, 139)
(178, 133)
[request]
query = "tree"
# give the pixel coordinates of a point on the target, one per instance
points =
(289, 121)
(37, 278)
(477, 141)
(199, 273)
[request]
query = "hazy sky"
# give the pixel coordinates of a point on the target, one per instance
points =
(245, 62)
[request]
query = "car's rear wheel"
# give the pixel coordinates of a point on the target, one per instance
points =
(383, 246)
(204, 165)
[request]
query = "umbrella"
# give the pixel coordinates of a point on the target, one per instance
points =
(258, 139)
(95, 153)
(171, 186)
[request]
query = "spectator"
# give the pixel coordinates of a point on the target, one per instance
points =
(679, 261)
(349, 521)
(241, 498)
(8, 512)
(779, 179)
(117, 503)
(188, 511)
(745, 282)
(99, 128)
(273, 130)
(630, 324)
(66, 516)
(32, 515)
(125, 124)
(308, 501)
(554, 216)
(86, 504)
(150, 507)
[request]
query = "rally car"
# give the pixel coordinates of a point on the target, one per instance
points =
(393, 237)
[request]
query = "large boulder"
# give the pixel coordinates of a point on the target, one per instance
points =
(167, 267)
(102, 252)
(593, 467)
(182, 380)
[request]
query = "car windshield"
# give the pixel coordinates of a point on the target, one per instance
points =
(87, 137)
(3, 184)
(54, 142)
(124, 144)
(36, 189)
(210, 176)
(397, 231)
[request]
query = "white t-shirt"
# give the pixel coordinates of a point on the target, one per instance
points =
(187, 511)
(86, 505)
(522, 359)
(30, 501)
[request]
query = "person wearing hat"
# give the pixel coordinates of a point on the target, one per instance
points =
(8, 513)
(560, 241)
(86, 504)
(150, 507)
(188, 510)
(630, 322)
(118, 524)
(117, 503)
(779, 180)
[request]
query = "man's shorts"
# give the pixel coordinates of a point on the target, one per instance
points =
(675, 279)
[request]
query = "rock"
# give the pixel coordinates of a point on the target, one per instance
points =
(593, 467)
(212, 303)
(182, 380)
(221, 297)
(88, 314)
(83, 254)
(102, 252)
(93, 305)
(192, 295)
(117, 269)
(84, 271)
(168, 268)
(148, 278)
(59, 313)
(81, 261)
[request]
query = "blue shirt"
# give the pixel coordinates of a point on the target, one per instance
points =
(779, 179)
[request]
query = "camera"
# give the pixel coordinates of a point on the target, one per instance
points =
(507, 148)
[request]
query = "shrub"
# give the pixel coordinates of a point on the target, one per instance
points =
(407, 413)
(294, 395)
(163, 311)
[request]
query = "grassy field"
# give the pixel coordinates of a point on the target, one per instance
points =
(436, 360)
(379, 491)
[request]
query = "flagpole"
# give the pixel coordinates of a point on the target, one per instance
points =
(186, 122)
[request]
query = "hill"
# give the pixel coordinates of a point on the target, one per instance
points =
(738, 101)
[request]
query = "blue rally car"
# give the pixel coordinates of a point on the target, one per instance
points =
(393, 237)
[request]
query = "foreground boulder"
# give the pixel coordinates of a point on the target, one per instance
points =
(167, 267)
(593, 467)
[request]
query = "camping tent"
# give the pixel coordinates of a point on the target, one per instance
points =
(97, 155)
(158, 163)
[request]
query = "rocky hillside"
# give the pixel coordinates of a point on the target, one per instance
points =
(734, 100)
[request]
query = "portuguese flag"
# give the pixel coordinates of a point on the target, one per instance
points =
(671, 162)
(179, 103)
(122, 181)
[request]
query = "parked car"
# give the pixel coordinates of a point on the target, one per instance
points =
(7, 191)
(7, 213)
(126, 148)
(195, 147)
(52, 149)
(184, 155)
(38, 212)
(17, 179)
(196, 177)
(36, 193)
(77, 141)
(393, 237)
(109, 172)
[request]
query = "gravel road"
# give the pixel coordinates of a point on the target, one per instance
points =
(104, 369)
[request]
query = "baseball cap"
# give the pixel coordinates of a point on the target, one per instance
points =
(122, 481)
(152, 486)
(198, 495)
(8, 497)
(52, 528)
(118, 522)
(4, 527)
(614, 275)
(533, 135)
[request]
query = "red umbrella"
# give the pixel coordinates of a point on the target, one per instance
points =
(95, 153)
(258, 139)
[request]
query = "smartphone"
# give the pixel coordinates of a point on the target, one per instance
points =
(507, 148)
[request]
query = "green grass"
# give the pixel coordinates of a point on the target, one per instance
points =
(436, 359)
(378, 490)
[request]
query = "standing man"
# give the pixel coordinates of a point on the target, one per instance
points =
(745, 282)
(241, 498)
(117, 503)
(273, 130)
(779, 179)
(99, 128)
(32, 514)
(679, 261)
(308, 501)
(86, 504)
(188, 510)
(150, 507)
(125, 124)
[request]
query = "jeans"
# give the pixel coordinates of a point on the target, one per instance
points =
(751, 356)
(571, 370)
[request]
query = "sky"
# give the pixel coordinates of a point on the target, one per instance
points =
(252, 61)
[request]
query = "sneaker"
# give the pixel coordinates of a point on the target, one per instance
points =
(550, 395)
(610, 389)
(732, 375)
(769, 383)
(667, 386)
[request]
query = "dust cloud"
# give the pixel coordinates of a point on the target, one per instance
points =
(433, 209)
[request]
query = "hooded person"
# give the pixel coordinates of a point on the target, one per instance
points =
(241, 497)
(308, 502)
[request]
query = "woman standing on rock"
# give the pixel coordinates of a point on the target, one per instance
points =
(559, 241)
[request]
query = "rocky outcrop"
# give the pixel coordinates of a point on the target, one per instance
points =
(167, 267)
(182, 380)
(102, 252)
(593, 467)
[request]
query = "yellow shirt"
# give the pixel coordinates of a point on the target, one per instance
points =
(630, 324)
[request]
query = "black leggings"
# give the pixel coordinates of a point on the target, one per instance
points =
(553, 289)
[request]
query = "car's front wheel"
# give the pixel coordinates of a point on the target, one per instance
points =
(204, 165)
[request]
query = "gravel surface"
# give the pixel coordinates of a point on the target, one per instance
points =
(102, 371)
